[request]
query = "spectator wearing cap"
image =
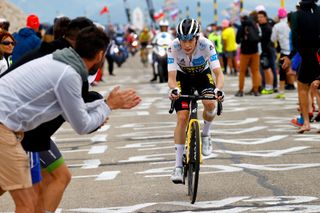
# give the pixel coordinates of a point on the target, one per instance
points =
(229, 45)
(26, 38)
(280, 34)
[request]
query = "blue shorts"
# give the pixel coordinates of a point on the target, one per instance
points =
(35, 167)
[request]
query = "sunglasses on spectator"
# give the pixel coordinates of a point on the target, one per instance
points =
(8, 43)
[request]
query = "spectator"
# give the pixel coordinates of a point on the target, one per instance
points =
(248, 38)
(56, 175)
(57, 96)
(229, 45)
(266, 56)
(60, 26)
(7, 44)
(4, 24)
(280, 34)
(215, 37)
(305, 26)
(26, 38)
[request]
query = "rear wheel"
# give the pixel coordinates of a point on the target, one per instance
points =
(194, 162)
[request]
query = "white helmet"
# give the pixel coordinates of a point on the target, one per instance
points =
(163, 23)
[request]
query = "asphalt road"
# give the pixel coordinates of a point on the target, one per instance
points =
(259, 162)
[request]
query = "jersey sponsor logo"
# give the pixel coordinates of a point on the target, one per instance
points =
(193, 70)
(170, 60)
(182, 62)
(202, 45)
(184, 105)
(198, 61)
(213, 57)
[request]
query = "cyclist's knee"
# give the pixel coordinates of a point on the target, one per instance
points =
(209, 105)
(183, 119)
(210, 113)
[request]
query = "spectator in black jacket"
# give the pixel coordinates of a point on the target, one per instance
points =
(266, 55)
(248, 37)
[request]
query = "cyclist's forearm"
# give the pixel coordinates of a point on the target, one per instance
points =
(172, 82)
(219, 78)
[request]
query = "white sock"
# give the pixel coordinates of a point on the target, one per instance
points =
(206, 128)
(48, 211)
(269, 87)
(179, 152)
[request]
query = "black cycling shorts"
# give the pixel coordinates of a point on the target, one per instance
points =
(188, 83)
(309, 68)
(52, 158)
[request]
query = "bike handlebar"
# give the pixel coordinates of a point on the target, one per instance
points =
(199, 97)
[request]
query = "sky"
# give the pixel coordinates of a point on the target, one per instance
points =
(48, 9)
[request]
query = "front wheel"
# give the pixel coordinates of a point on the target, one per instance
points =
(194, 162)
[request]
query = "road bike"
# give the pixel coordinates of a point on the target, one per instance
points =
(193, 154)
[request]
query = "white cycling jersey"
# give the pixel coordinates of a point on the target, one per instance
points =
(203, 56)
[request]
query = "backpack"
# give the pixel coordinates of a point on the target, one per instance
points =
(251, 33)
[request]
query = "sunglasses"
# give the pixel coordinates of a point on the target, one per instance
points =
(185, 37)
(8, 43)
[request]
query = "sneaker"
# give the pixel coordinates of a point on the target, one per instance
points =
(256, 93)
(289, 87)
(206, 145)
(177, 175)
(317, 118)
(239, 94)
(280, 96)
(267, 91)
(250, 92)
(298, 122)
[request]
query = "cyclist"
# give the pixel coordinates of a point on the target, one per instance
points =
(144, 39)
(191, 61)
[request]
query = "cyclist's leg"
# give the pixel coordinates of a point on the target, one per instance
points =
(205, 84)
(180, 135)
(56, 177)
(182, 108)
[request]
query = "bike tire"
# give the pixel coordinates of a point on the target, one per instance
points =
(194, 162)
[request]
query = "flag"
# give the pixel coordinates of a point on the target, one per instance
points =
(104, 10)
(174, 14)
(159, 15)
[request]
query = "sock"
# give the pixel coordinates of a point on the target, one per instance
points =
(48, 211)
(269, 87)
(179, 152)
(206, 128)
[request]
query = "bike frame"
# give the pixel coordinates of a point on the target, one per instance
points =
(193, 118)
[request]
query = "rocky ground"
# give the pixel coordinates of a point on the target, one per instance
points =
(13, 14)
